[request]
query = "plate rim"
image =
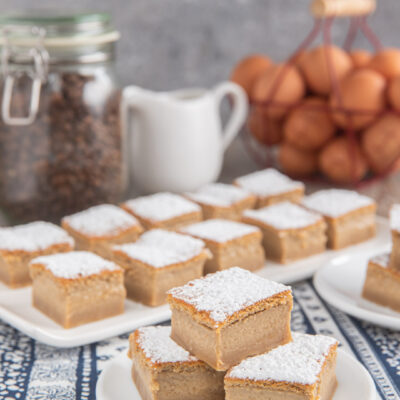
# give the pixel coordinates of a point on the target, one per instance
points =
(123, 357)
(338, 300)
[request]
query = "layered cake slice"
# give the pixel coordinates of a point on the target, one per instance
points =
(395, 228)
(270, 186)
(162, 370)
(163, 210)
(382, 283)
(20, 244)
(350, 216)
(96, 228)
(77, 287)
(289, 231)
(230, 315)
(158, 261)
(303, 369)
(219, 200)
(231, 244)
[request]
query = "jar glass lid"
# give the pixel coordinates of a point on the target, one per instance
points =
(59, 28)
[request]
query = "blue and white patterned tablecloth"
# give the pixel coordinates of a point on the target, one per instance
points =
(31, 370)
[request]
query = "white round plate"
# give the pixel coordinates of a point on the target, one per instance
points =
(354, 382)
(340, 283)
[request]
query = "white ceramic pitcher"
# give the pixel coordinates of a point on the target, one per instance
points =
(176, 140)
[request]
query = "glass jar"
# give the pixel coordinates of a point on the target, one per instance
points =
(60, 138)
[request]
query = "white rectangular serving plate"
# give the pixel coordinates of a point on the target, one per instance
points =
(16, 308)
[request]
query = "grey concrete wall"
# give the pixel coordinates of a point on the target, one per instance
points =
(173, 43)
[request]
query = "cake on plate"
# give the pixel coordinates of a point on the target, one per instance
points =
(20, 244)
(230, 315)
(158, 261)
(162, 370)
(77, 287)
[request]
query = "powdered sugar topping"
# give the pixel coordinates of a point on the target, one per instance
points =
(336, 202)
(34, 236)
(75, 264)
(159, 248)
(383, 260)
(284, 215)
(224, 293)
(268, 182)
(161, 206)
(395, 217)
(102, 220)
(219, 194)
(157, 345)
(219, 230)
(299, 361)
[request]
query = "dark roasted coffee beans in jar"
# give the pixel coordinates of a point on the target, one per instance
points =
(60, 139)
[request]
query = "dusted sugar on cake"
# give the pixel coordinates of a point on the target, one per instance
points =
(350, 216)
(158, 261)
(227, 316)
(77, 287)
(290, 232)
(33, 237)
(219, 200)
(382, 282)
(105, 220)
(231, 244)
(163, 210)
(20, 244)
(99, 227)
(270, 186)
(304, 368)
(162, 369)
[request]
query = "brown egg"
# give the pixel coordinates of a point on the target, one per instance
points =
(315, 67)
(309, 126)
(249, 69)
(342, 161)
(360, 58)
(264, 129)
(363, 90)
(290, 89)
(381, 143)
(296, 162)
(394, 93)
(387, 62)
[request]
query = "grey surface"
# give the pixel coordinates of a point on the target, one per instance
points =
(168, 44)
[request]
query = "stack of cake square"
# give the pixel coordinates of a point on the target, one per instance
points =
(230, 338)
(382, 283)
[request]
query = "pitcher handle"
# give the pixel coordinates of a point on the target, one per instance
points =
(238, 113)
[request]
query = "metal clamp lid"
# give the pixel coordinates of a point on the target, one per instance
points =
(36, 69)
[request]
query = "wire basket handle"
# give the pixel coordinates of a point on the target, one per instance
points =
(342, 8)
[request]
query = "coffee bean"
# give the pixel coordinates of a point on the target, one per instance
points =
(69, 158)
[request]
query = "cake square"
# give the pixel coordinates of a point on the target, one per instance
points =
(270, 187)
(158, 261)
(77, 287)
(395, 228)
(231, 244)
(161, 369)
(20, 244)
(163, 210)
(99, 227)
(289, 231)
(219, 200)
(382, 283)
(230, 315)
(303, 369)
(350, 216)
